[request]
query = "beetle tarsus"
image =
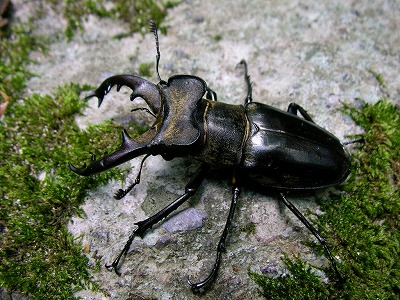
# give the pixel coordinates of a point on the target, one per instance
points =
(201, 286)
(115, 263)
(121, 192)
(76, 170)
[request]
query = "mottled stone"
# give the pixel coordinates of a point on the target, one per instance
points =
(187, 219)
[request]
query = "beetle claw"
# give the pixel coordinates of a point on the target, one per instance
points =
(120, 194)
(200, 287)
(194, 286)
(114, 268)
(75, 169)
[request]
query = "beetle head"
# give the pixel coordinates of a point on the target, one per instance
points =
(174, 103)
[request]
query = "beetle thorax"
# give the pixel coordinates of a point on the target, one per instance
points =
(224, 127)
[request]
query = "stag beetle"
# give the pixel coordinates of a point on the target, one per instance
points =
(272, 148)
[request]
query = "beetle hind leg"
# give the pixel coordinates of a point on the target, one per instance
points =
(314, 231)
(293, 108)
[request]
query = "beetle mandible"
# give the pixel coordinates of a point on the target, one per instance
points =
(272, 148)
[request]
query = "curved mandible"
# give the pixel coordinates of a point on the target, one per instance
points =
(129, 149)
(140, 87)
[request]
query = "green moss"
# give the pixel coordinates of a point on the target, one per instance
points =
(15, 47)
(217, 37)
(381, 81)
(136, 14)
(38, 136)
(39, 194)
(249, 228)
(145, 69)
(361, 222)
(290, 286)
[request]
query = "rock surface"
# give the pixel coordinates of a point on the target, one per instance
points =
(314, 53)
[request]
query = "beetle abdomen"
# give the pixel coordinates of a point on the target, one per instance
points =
(286, 151)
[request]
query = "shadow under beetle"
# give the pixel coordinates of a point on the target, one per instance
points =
(269, 147)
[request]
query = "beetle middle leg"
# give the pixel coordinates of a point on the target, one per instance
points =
(197, 287)
(314, 231)
(211, 95)
(148, 223)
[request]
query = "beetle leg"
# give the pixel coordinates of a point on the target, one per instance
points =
(249, 97)
(148, 223)
(314, 231)
(293, 108)
(211, 95)
(199, 287)
(122, 193)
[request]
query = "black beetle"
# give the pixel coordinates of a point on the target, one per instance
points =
(270, 147)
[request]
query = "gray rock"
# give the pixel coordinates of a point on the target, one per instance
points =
(185, 220)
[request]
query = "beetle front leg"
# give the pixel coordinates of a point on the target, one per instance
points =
(122, 193)
(293, 108)
(148, 223)
(200, 286)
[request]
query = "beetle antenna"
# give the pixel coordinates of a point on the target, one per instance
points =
(154, 30)
(249, 84)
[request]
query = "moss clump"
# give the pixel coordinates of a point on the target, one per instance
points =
(15, 48)
(290, 286)
(39, 194)
(145, 69)
(361, 222)
(249, 228)
(136, 14)
(217, 37)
